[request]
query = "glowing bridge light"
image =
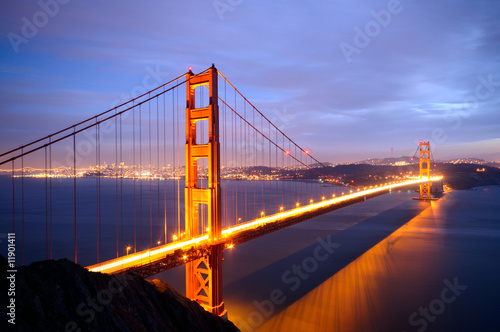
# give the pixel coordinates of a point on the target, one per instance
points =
(174, 237)
(287, 152)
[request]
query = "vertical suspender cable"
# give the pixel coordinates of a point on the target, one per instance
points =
(158, 168)
(174, 160)
(98, 141)
(165, 165)
(254, 143)
(149, 180)
(283, 198)
(245, 165)
(116, 184)
(97, 194)
(263, 162)
(22, 204)
(140, 177)
(13, 199)
(50, 195)
(46, 210)
(134, 179)
(178, 169)
(270, 168)
(121, 184)
(277, 171)
(74, 191)
(235, 130)
(224, 149)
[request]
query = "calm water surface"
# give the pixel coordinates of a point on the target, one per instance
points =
(392, 264)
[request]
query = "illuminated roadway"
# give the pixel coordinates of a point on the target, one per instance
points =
(241, 232)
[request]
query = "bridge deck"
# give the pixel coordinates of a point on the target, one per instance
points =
(161, 258)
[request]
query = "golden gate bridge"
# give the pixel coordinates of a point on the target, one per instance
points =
(237, 177)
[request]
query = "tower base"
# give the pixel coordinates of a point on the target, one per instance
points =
(425, 198)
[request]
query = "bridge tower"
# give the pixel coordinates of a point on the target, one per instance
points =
(425, 170)
(204, 275)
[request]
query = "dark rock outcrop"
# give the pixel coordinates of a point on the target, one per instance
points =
(63, 296)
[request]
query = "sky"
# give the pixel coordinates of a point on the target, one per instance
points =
(348, 79)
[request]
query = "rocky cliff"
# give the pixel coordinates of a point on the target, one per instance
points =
(63, 296)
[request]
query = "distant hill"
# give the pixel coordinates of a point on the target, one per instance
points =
(466, 176)
(410, 160)
(389, 161)
(456, 176)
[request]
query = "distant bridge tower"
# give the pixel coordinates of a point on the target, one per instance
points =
(425, 170)
(204, 275)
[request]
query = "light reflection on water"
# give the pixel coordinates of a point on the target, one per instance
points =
(455, 240)
(362, 297)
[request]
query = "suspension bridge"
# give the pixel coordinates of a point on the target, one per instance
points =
(130, 194)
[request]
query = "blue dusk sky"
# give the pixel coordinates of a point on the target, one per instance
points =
(347, 79)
